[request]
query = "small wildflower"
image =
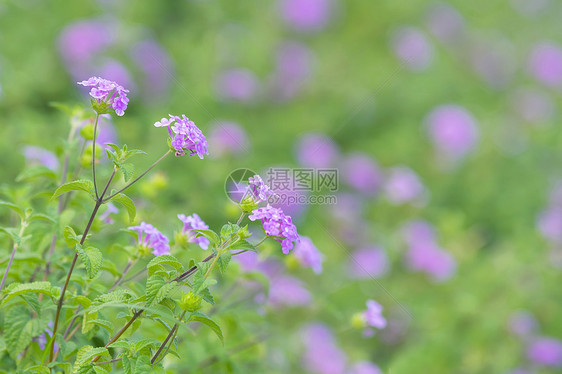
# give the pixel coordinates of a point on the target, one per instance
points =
(259, 190)
(105, 216)
(373, 315)
(152, 238)
(308, 255)
(278, 225)
(37, 155)
(185, 135)
(109, 93)
(191, 223)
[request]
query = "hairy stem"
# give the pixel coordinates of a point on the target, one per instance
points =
(139, 177)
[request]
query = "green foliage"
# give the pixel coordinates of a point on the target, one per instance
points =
(200, 317)
(24, 288)
(128, 203)
(78, 185)
(91, 258)
(83, 364)
(159, 263)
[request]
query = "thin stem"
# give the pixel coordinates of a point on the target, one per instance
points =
(192, 270)
(14, 249)
(94, 155)
(261, 241)
(137, 178)
(128, 267)
(110, 361)
(240, 219)
(63, 291)
(163, 345)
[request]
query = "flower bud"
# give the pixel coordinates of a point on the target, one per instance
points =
(358, 321)
(248, 204)
(190, 302)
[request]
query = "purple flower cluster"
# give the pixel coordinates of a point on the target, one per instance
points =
(403, 185)
(107, 91)
(278, 225)
(152, 238)
(322, 354)
(191, 223)
(368, 262)
(546, 352)
(424, 253)
(41, 156)
(308, 255)
(259, 190)
(373, 315)
(186, 136)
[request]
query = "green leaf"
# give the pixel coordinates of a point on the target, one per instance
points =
(17, 331)
(33, 301)
(13, 206)
(211, 235)
(70, 237)
(200, 317)
(153, 284)
(82, 364)
(127, 170)
(102, 323)
(228, 230)
(157, 263)
(224, 260)
(127, 203)
(92, 259)
(242, 245)
(36, 171)
(23, 288)
(38, 369)
(143, 365)
(13, 233)
(117, 297)
(145, 343)
(123, 344)
(41, 216)
(78, 185)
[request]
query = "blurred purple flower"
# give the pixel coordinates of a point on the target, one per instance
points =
(428, 257)
(286, 290)
(418, 231)
(106, 216)
(308, 255)
(237, 85)
(362, 173)
(522, 323)
(248, 261)
(42, 339)
(321, 354)
(227, 138)
(40, 156)
(292, 69)
(156, 65)
(403, 185)
(373, 315)
(412, 47)
(549, 223)
(453, 130)
(277, 224)
(370, 262)
(364, 367)
(545, 351)
(106, 132)
(79, 42)
(306, 15)
(115, 71)
(191, 223)
(317, 150)
(533, 106)
(493, 58)
(150, 237)
(445, 22)
(545, 63)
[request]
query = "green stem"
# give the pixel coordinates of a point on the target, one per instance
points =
(170, 334)
(137, 178)
(15, 248)
(94, 155)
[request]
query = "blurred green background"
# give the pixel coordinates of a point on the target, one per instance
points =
(370, 86)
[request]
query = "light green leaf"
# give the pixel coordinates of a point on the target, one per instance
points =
(36, 171)
(38, 369)
(17, 331)
(84, 356)
(243, 245)
(128, 203)
(41, 216)
(92, 259)
(200, 317)
(211, 235)
(23, 288)
(13, 206)
(78, 185)
(157, 263)
(224, 260)
(70, 236)
(128, 170)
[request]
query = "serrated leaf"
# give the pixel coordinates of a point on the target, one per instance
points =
(123, 344)
(228, 230)
(224, 260)
(157, 263)
(143, 365)
(102, 323)
(23, 288)
(12, 233)
(128, 170)
(37, 369)
(128, 203)
(200, 317)
(120, 296)
(70, 236)
(33, 301)
(211, 235)
(78, 185)
(145, 343)
(36, 171)
(92, 259)
(82, 364)
(16, 333)
(153, 284)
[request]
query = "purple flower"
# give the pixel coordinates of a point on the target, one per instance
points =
(156, 65)
(292, 69)
(82, 40)
(114, 71)
(453, 130)
(549, 223)
(185, 135)
(412, 47)
(109, 92)
(364, 367)
(278, 225)
(227, 138)
(317, 151)
(40, 156)
(428, 257)
(362, 173)
(370, 262)
(373, 315)
(150, 237)
(322, 354)
(106, 216)
(258, 189)
(418, 231)
(237, 85)
(308, 255)
(545, 351)
(545, 63)
(522, 323)
(445, 23)
(191, 223)
(248, 260)
(42, 339)
(286, 290)
(403, 185)
(306, 15)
